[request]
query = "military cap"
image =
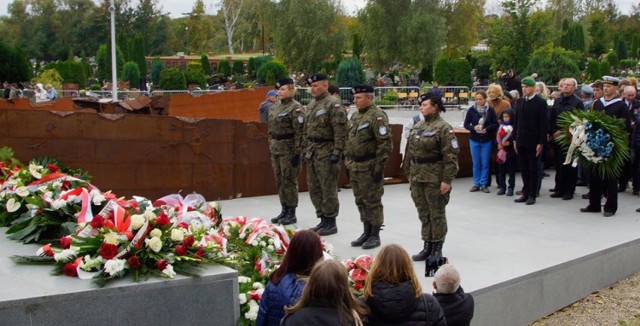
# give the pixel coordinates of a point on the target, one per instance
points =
(316, 77)
(610, 80)
(361, 89)
(529, 81)
(426, 96)
(284, 81)
(586, 89)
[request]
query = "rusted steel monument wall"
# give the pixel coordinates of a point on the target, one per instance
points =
(241, 104)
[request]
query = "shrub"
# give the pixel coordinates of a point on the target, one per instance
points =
(49, 76)
(457, 71)
(131, 74)
(224, 68)
(276, 68)
(206, 66)
(238, 67)
(350, 73)
(172, 79)
(70, 71)
(156, 68)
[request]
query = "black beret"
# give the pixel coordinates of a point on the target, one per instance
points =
(361, 89)
(284, 81)
(426, 96)
(316, 77)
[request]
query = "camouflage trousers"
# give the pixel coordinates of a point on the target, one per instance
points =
(368, 196)
(431, 209)
(322, 179)
(286, 179)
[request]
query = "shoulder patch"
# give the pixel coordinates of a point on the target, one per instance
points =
(382, 130)
(454, 143)
(337, 105)
(298, 110)
(451, 132)
(300, 119)
(379, 119)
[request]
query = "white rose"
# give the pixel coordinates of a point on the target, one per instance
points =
(149, 215)
(12, 205)
(113, 266)
(155, 233)
(242, 298)
(257, 285)
(65, 256)
(169, 271)
(177, 235)
(22, 191)
(35, 170)
(244, 279)
(136, 221)
(154, 244)
(111, 238)
(214, 205)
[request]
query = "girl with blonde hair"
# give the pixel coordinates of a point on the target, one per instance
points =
(326, 299)
(394, 295)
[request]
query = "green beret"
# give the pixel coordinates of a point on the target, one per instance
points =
(529, 81)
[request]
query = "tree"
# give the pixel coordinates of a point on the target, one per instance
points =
(206, 66)
(457, 71)
(599, 34)
(194, 75)
(621, 49)
(612, 58)
(350, 73)
(462, 34)
(137, 54)
(356, 46)
(197, 29)
(224, 68)
(297, 39)
(156, 69)
(231, 10)
(635, 45)
(553, 63)
(238, 67)
(14, 66)
(103, 60)
(593, 71)
(131, 74)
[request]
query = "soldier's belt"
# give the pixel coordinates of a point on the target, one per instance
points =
(320, 140)
(425, 160)
(283, 137)
(363, 158)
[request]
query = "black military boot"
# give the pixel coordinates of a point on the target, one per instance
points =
(330, 227)
(323, 222)
(277, 219)
(363, 237)
(424, 253)
(435, 259)
(374, 238)
(290, 217)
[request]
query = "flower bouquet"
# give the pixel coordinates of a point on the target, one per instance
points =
(358, 270)
(596, 139)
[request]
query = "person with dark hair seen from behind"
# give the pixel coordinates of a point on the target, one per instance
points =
(430, 164)
(286, 121)
(394, 295)
(287, 282)
(265, 106)
(326, 299)
(457, 305)
(611, 105)
(530, 125)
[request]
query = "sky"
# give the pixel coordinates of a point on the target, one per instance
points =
(177, 7)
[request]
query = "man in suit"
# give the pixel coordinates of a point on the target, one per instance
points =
(530, 126)
(630, 101)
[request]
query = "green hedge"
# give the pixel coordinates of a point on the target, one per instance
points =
(172, 79)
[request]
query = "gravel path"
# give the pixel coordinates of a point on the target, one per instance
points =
(618, 304)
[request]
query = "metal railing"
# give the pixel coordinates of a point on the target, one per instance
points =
(454, 96)
(401, 97)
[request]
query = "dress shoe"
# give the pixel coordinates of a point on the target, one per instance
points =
(510, 192)
(608, 214)
(581, 184)
(521, 199)
(500, 192)
(638, 209)
(553, 190)
(589, 210)
(622, 189)
(485, 190)
(531, 200)
(585, 196)
(556, 195)
(519, 192)
(545, 174)
(474, 189)
(567, 197)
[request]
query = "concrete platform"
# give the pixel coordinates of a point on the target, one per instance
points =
(520, 262)
(31, 296)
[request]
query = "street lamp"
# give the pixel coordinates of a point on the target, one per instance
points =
(114, 70)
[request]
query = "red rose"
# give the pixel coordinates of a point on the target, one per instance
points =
(46, 250)
(162, 264)
(134, 262)
(183, 225)
(97, 222)
(66, 185)
(65, 242)
(108, 251)
(181, 250)
(70, 269)
(188, 241)
(162, 220)
(52, 168)
(357, 286)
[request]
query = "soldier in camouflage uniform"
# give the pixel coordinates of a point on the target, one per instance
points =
(325, 133)
(366, 154)
(286, 120)
(431, 163)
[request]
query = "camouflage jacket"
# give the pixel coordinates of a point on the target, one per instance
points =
(325, 128)
(286, 121)
(369, 144)
(432, 152)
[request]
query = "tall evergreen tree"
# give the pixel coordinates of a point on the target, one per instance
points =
(206, 66)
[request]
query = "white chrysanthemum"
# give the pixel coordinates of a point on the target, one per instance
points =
(257, 285)
(113, 266)
(242, 298)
